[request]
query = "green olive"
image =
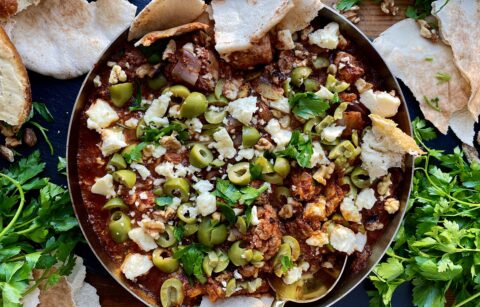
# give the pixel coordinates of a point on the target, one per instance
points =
(287, 89)
(115, 203)
(333, 85)
(118, 161)
(200, 156)
(163, 262)
(189, 229)
(355, 140)
(119, 226)
(126, 177)
(307, 128)
(210, 262)
(211, 233)
(220, 102)
(284, 250)
(195, 104)
(241, 225)
(238, 255)
(338, 114)
(311, 85)
(264, 164)
(167, 238)
(231, 287)
(178, 91)
(140, 129)
(158, 191)
(281, 194)
(157, 82)
(273, 178)
(127, 150)
(294, 246)
(182, 211)
(214, 117)
(344, 149)
(360, 178)
(178, 187)
(321, 62)
(171, 293)
(327, 121)
(219, 88)
(223, 261)
(282, 167)
(240, 173)
(250, 136)
(121, 93)
(257, 257)
(299, 74)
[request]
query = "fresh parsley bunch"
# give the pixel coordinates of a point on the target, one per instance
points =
(38, 230)
(438, 245)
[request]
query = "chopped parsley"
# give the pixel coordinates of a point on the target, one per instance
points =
(135, 154)
(299, 148)
(443, 77)
(429, 59)
(41, 110)
(287, 263)
(308, 105)
(178, 231)
(231, 194)
(191, 257)
(433, 103)
(343, 5)
(227, 212)
(255, 171)
(154, 134)
(163, 201)
(137, 103)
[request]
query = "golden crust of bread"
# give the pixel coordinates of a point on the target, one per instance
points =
(14, 109)
(152, 37)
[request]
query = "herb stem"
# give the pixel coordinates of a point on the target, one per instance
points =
(20, 206)
(43, 131)
(471, 298)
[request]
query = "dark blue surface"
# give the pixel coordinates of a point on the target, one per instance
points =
(60, 95)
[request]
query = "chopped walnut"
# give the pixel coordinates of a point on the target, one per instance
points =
(383, 187)
(374, 226)
(391, 205)
(7, 153)
(117, 74)
(324, 173)
(12, 141)
(170, 142)
(146, 70)
(362, 85)
(427, 31)
(389, 7)
(352, 14)
(286, 212)
(153, 228)
(165, 215)
(264, 144)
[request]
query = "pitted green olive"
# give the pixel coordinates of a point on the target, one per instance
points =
(311, 85)
(189, 229)
(223, 261)
(121, 93)
(264, 164)
(179, 91)
(360, 178)
(209, 263)
(281, 194)
(220, 102)
(167, 238)
(327, 121)
(194, 105)
(250, 136)
(183, 213)
(257, 256)
(321, 62)
(238, 255)
(294, 246)
(299, 74)
(239, 173)
(119, 226)
(241, 225)
(200, 156)
(140, 129)
(282, 167)
(118, 161)
(338, 114)
(126, 177)
(273, 178)
(211, 233)
(178, 187)
(307, 128)
(157, 82)
(214, 117)
(344, 149)
(219, 88)
(171, 293)
(231, 287)
(115, 203)
(163, 262)
(334, 85)
(284, 251)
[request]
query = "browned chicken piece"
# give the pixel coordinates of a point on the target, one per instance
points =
(349, 68)
(334, 195)
(352, 120)
(266, 235)
(260, 53)
(303, 186)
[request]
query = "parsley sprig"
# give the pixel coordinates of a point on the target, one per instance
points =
(300, 148)
(437, 247)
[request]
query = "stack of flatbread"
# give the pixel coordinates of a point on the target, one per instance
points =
(444, 76)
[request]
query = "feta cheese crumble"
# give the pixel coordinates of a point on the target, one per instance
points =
(327, 37)
(112, 141)
(206, 203)
(366, 199)
(104, 186)
(135, 265)
(242, 109)
(155, 113)
(381, 103)
(143, 239)
(100, 115)
(279, 135)
(224, 143)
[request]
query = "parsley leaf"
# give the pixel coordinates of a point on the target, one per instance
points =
(191, 258)
(135, 154)
(250, 194)
(433, 103)
(62, 166)
(154, 134)
(442, 77)
(231, 194)
(299, 148)
(255, 171)
(308, 105)
(178, 231)
(346, 4)
(137, 103)
(286, 263)
(163, 201)
(227, 212)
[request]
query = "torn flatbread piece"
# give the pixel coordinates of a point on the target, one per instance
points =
(459, 28)
(152, 37)
(15, 94)
(298, 18)
(462, 124)
(64, 38)
(418, 61)
(165, 14)
(240, 23)
(8, 8)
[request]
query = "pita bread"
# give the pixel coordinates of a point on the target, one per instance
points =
(9, 8)
(15, 95)
(87, 296)
(64, 38)
(152, 37)
(459, 28)
(406, 52)
(298, 18)
(463, 125)
(246, 301)
(239, 23)
(59, 294)
(165, 14)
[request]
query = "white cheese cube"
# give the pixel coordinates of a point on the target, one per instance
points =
(327, 37)
(104, 186)
(143, 239)
(156, 111)
(242, 109)
(224, 143)
(318, 238)
(293, 275)
(131, 123)
(318, 156)
(366, 199)
(343, 239)
(142, 170)
(206, 203)
(245, 153)
(349, 211)
(280, 136)
(381, 103)
(203, 186)
(281, 105)
(331, 133)
(194, 125)
(112, 141)
(135, 265)
(100, 115)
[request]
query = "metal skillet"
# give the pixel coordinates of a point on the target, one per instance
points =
(342, 286)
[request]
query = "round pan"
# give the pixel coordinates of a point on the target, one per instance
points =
(349, 281)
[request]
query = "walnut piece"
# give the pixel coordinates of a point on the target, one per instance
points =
(391, 205)
(324, 173)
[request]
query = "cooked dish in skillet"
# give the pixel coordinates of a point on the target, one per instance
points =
(205, 174)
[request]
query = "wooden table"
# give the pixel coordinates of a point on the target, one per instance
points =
(373, 22)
